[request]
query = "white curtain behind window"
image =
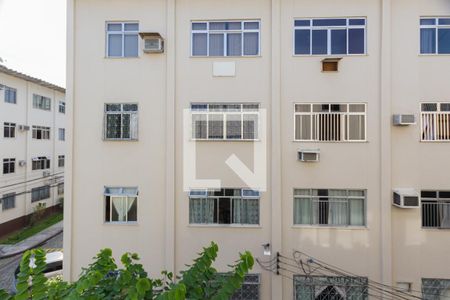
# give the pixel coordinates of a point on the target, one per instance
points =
(120, 206)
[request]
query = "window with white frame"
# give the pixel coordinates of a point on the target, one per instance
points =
(331, 207)
(435, 35)
(40, 163)
(61, 161)
(121, 121)
(122, 39)
(61, 134)
(225, 121)
(343, 36)
(8, 201)
(10, 94)
(225, 38)
(435, 289)
(62, 107)
(249, 289)
(9, 165)
(330, 122)
(41, 102)
(120, 204)
(40, 193)
(9, 130)
(224, 206)
(307, 287)
(40, 132)
(61, 189)
(435, 209)
(435, 121)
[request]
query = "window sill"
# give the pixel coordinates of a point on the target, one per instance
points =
(330, 227)
(120, 140)
(331, 142)
(330, 56)
(121, 223)
(121, 57)
(225, 226)
(433, 54)
(437, 141)
(219, 140)
(226, 57)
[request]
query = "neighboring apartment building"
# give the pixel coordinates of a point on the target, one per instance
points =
(328, 75)
(32, 147)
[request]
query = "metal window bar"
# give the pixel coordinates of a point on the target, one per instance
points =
(435, 214)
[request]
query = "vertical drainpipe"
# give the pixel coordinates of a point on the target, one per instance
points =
(385, 145)
(275, 144)
(27, 151)
(170, 53)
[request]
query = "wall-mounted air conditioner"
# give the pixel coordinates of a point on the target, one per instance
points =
(153, 42)
(22, 163)
(24, 127)
(308, 155)
(406, 198)
(404, 120)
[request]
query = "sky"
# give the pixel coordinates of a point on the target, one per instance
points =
(33, 38)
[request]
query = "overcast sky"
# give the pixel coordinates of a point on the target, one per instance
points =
(33, 38)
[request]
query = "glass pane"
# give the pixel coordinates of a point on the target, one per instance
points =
(319, 42)
(198, 26)
(356, 127)
(339, 41)
(126, 126)
(113, 107)
(250, 125)
(302, 107)
(115, 45)
(216, 44)
(224, 211)
(303, 211)
(356, 212)
(119, 209)
(131, 45)
(444, 41)
(251, 43)
(199, 44)
(330, 22)
(356, 41)
(234, 126)
(303, 127)
(357, 22)
(251, 25)
(302, 22)
(130, 107)
(234, 44)
(199, 126)
(113, 126)
(132, 27)
(233, 25)
(132, 209)
(114, 27)
(427, 21)
(303, 41)
(217, 25)
(357, 108)
(429, 106)
(427, 40)
(215, 126)
(444, 21)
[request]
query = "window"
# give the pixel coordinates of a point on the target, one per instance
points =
(330, 122)
(61, 134)
(225, 121)
(9, 130)
(60, 188)
(330, 288)
(249, 289)
(61, 161)
(9, 165)
(40, 163)
(10, 95)
(435, 289)
(62, 107)
(435, 121)
(120, 204)
(122, 39)
(41, 102)
(221, 38)
(40, 193)
(8, 201)
(435, 209)
(224, 206)
(41, 133)
(435, 35)
(330, 36)
(329, 207)
(121, 121)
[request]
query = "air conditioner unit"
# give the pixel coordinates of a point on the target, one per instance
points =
(46, 173)
(24, 127)
(22, 163)
(153, 42)
(406, 198)
(404, 120)
(311, 155)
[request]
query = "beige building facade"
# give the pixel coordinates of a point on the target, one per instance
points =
(32, 147)
(347, 100)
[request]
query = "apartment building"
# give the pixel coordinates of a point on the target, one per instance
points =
(346, 101)
(32, 147)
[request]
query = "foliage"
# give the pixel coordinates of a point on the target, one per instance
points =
(38, 213)
(102, 279)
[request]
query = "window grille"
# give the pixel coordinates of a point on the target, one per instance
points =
(435, 121)
(435, 289)
(121, 122)
(249, 289)
(435, 209)
(330, 288)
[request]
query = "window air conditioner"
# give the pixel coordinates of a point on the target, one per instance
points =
(406, 198)
(24, 127)
(22, 163)
(404, 120)
(308, 155)
(46, 173)
(153, 42)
